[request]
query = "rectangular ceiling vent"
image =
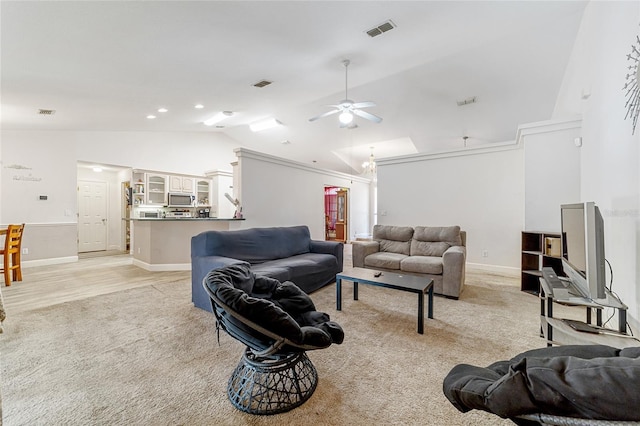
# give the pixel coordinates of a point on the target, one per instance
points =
(262, 83)
(382, 28)
(471, 100)
(46, 111)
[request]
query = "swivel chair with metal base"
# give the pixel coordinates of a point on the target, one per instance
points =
(278, 323)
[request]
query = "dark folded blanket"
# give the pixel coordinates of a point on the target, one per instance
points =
(585, 381)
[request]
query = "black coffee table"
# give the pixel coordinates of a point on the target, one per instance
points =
(410, 283)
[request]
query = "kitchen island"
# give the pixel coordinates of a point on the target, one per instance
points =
(164, 244)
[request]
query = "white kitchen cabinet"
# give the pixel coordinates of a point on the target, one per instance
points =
(156, 189)
(138, 190)
(181, 184)
(203, 192)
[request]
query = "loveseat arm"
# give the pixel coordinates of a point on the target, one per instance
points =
(334, 248)
(453, 271)
(362, 249)
(200, 267)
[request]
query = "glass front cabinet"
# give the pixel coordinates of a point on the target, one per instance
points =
(156, 189)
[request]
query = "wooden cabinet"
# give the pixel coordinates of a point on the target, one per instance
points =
(539, 249)
(181, 184)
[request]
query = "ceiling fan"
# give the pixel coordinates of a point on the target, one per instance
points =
(347, 108)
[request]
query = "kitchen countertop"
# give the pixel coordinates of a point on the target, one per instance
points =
(181, 219)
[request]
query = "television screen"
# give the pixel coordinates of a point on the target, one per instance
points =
(583, 258)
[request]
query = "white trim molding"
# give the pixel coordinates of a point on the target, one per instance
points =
(164, 267)
(247, 153)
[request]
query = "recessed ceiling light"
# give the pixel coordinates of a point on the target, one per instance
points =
(218, 117)
(162, 110)
(97, 169)
(151, 116)
(198, 106)
(268, 123)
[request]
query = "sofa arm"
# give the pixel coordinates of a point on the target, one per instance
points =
(362, 249)
(200, 267)
(329, 247)
(453, 271)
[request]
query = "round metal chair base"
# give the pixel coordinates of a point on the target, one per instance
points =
(271, 386)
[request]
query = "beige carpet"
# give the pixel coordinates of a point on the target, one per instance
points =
(146, 356)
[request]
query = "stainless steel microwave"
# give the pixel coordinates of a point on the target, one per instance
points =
(177, 199)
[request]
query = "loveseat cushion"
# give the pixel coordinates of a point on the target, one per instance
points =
(422, 264)
(384, 260)
(393, 239)
(434, 240)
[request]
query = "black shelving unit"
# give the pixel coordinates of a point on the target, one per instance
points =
(539, 249)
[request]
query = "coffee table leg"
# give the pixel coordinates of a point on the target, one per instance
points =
(430, 300)
(355, 290)
(420, 313)
(339, 294)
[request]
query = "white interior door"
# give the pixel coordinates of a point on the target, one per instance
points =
(92, 216)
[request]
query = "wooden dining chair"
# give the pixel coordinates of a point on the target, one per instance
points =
(11, 254)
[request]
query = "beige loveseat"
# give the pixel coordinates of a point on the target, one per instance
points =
(436, 252)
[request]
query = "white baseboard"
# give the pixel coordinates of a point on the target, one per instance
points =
(507, 270)
(162, 267)
(50, 261)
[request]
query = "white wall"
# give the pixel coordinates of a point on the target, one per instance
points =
(482, 191)
(552, 173)
(49, 170)
(278, 192)
(50, 159)
(610, 155)
(171, 152)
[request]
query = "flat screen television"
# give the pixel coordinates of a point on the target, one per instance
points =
(583, 258)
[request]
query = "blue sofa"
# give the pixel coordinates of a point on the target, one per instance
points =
(283, 253)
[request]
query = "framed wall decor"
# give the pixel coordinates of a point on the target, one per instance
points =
(631, 86)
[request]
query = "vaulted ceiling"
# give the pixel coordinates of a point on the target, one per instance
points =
(105, 66)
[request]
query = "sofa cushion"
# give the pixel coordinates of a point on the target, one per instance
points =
(434, 240)
(257, 245)
(384, 260)
(422, 264)
(393, 239)
(425, 248)
(272, 269)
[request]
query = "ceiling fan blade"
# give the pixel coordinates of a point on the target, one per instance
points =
(365, 104)
(335, 111)
(367, 115)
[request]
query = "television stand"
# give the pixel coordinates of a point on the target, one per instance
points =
(557, 331)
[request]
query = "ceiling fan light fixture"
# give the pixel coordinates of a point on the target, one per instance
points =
(266, 124)
(346, 108)
(346, 117)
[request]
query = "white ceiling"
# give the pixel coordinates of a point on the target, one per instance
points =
(107, 65)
